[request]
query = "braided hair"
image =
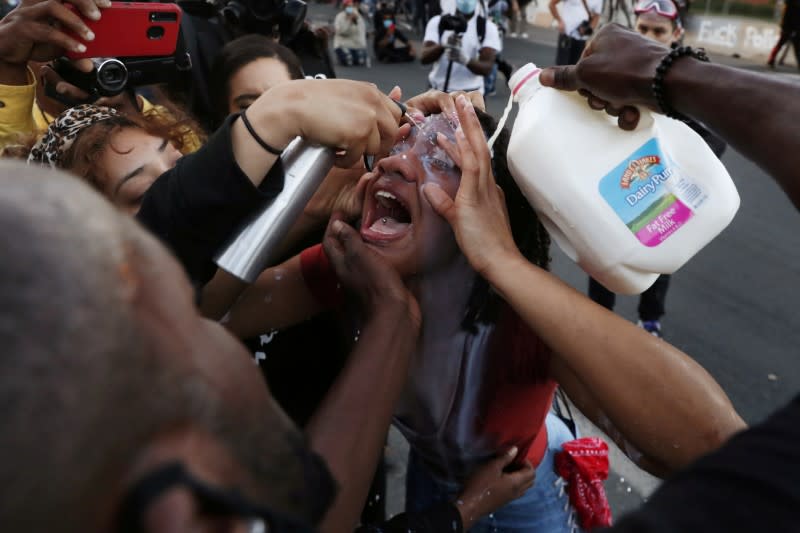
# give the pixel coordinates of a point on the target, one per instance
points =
(529, 234)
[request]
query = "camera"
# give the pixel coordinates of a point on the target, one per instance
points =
(456, 23)
(585, 28)
(281, 18)
(111, 76)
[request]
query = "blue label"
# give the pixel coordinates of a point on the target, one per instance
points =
(638, 191)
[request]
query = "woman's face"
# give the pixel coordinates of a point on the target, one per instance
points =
(397, 221)
(131, 162)
(253, 79)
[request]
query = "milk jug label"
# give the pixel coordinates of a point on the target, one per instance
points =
(646, 192)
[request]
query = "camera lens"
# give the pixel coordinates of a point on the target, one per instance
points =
(112, 76)
(155, 32)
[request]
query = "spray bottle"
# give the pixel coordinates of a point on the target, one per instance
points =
(253, 248)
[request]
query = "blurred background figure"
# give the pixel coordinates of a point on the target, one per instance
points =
(350, 35)
(463, 46)
(790, 31)
(577, 20)
(391, 44)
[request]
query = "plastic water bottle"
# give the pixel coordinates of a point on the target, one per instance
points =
(253, 247)
(626, 206)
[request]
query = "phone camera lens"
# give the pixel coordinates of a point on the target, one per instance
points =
(155, 32)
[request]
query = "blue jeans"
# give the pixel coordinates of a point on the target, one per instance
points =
(351, 56)
(545, 508)
(489, 80)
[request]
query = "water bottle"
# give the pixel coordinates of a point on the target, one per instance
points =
(626, 206)
(254, 246)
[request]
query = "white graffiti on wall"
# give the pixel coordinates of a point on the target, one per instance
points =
(714, 33)
(761, 38)
(731, 35)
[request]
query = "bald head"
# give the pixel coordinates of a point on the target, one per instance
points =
(103, 353)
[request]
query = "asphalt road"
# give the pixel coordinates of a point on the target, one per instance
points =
(731, 307)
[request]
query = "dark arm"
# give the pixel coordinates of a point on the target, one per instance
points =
(483, 65)
(194, 207)
(431, 52)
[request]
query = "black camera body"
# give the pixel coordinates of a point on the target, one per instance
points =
(585, 28)
(111, 76)
(456, 23)
(281, 18)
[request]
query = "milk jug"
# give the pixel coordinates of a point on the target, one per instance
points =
(626, 206)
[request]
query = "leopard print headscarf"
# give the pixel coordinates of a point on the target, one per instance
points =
(63, 130)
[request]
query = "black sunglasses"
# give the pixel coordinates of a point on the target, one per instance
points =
(212, 501)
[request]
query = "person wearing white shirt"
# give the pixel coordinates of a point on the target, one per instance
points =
(461, 60)
(350, 36)
(576, 20)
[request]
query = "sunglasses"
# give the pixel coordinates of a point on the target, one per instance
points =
(211, 500)
(665, 8)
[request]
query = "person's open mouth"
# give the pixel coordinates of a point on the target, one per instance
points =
(388, 217)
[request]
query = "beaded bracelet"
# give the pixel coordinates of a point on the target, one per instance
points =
(258, 139)
(661, 73)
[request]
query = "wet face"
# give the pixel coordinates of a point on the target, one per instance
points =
(130, 164)
(397, 221)
(253, 79)
(657, 28)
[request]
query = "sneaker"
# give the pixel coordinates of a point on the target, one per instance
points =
(653, 327)
(513, 35)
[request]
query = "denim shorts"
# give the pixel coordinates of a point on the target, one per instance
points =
(544, 508)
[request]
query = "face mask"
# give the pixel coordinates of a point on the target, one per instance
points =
(466, 6)
(388, 23)
(348, 10)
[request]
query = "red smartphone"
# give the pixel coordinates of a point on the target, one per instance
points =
(132, 29)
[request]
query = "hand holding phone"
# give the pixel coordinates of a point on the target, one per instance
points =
(132, 29)
(40, 30)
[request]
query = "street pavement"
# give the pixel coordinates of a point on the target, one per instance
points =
(731, 307)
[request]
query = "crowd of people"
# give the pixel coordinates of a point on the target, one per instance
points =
(412, 290)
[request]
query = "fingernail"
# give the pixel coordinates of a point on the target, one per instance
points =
(629, 115)
(80, 48)
(94, 14)
(89, 35)
(337, 226)
(60, 89)
(460, 100)
(513, 451)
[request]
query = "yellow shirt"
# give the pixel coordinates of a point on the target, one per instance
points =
(21, 116)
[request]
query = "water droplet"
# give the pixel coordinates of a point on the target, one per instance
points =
(622, 480)
(628, 489)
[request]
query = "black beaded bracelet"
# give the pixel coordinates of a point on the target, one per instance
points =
(259, 140)
(661, 73)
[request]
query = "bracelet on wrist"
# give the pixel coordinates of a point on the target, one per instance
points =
(256, 137)
(661, 72)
